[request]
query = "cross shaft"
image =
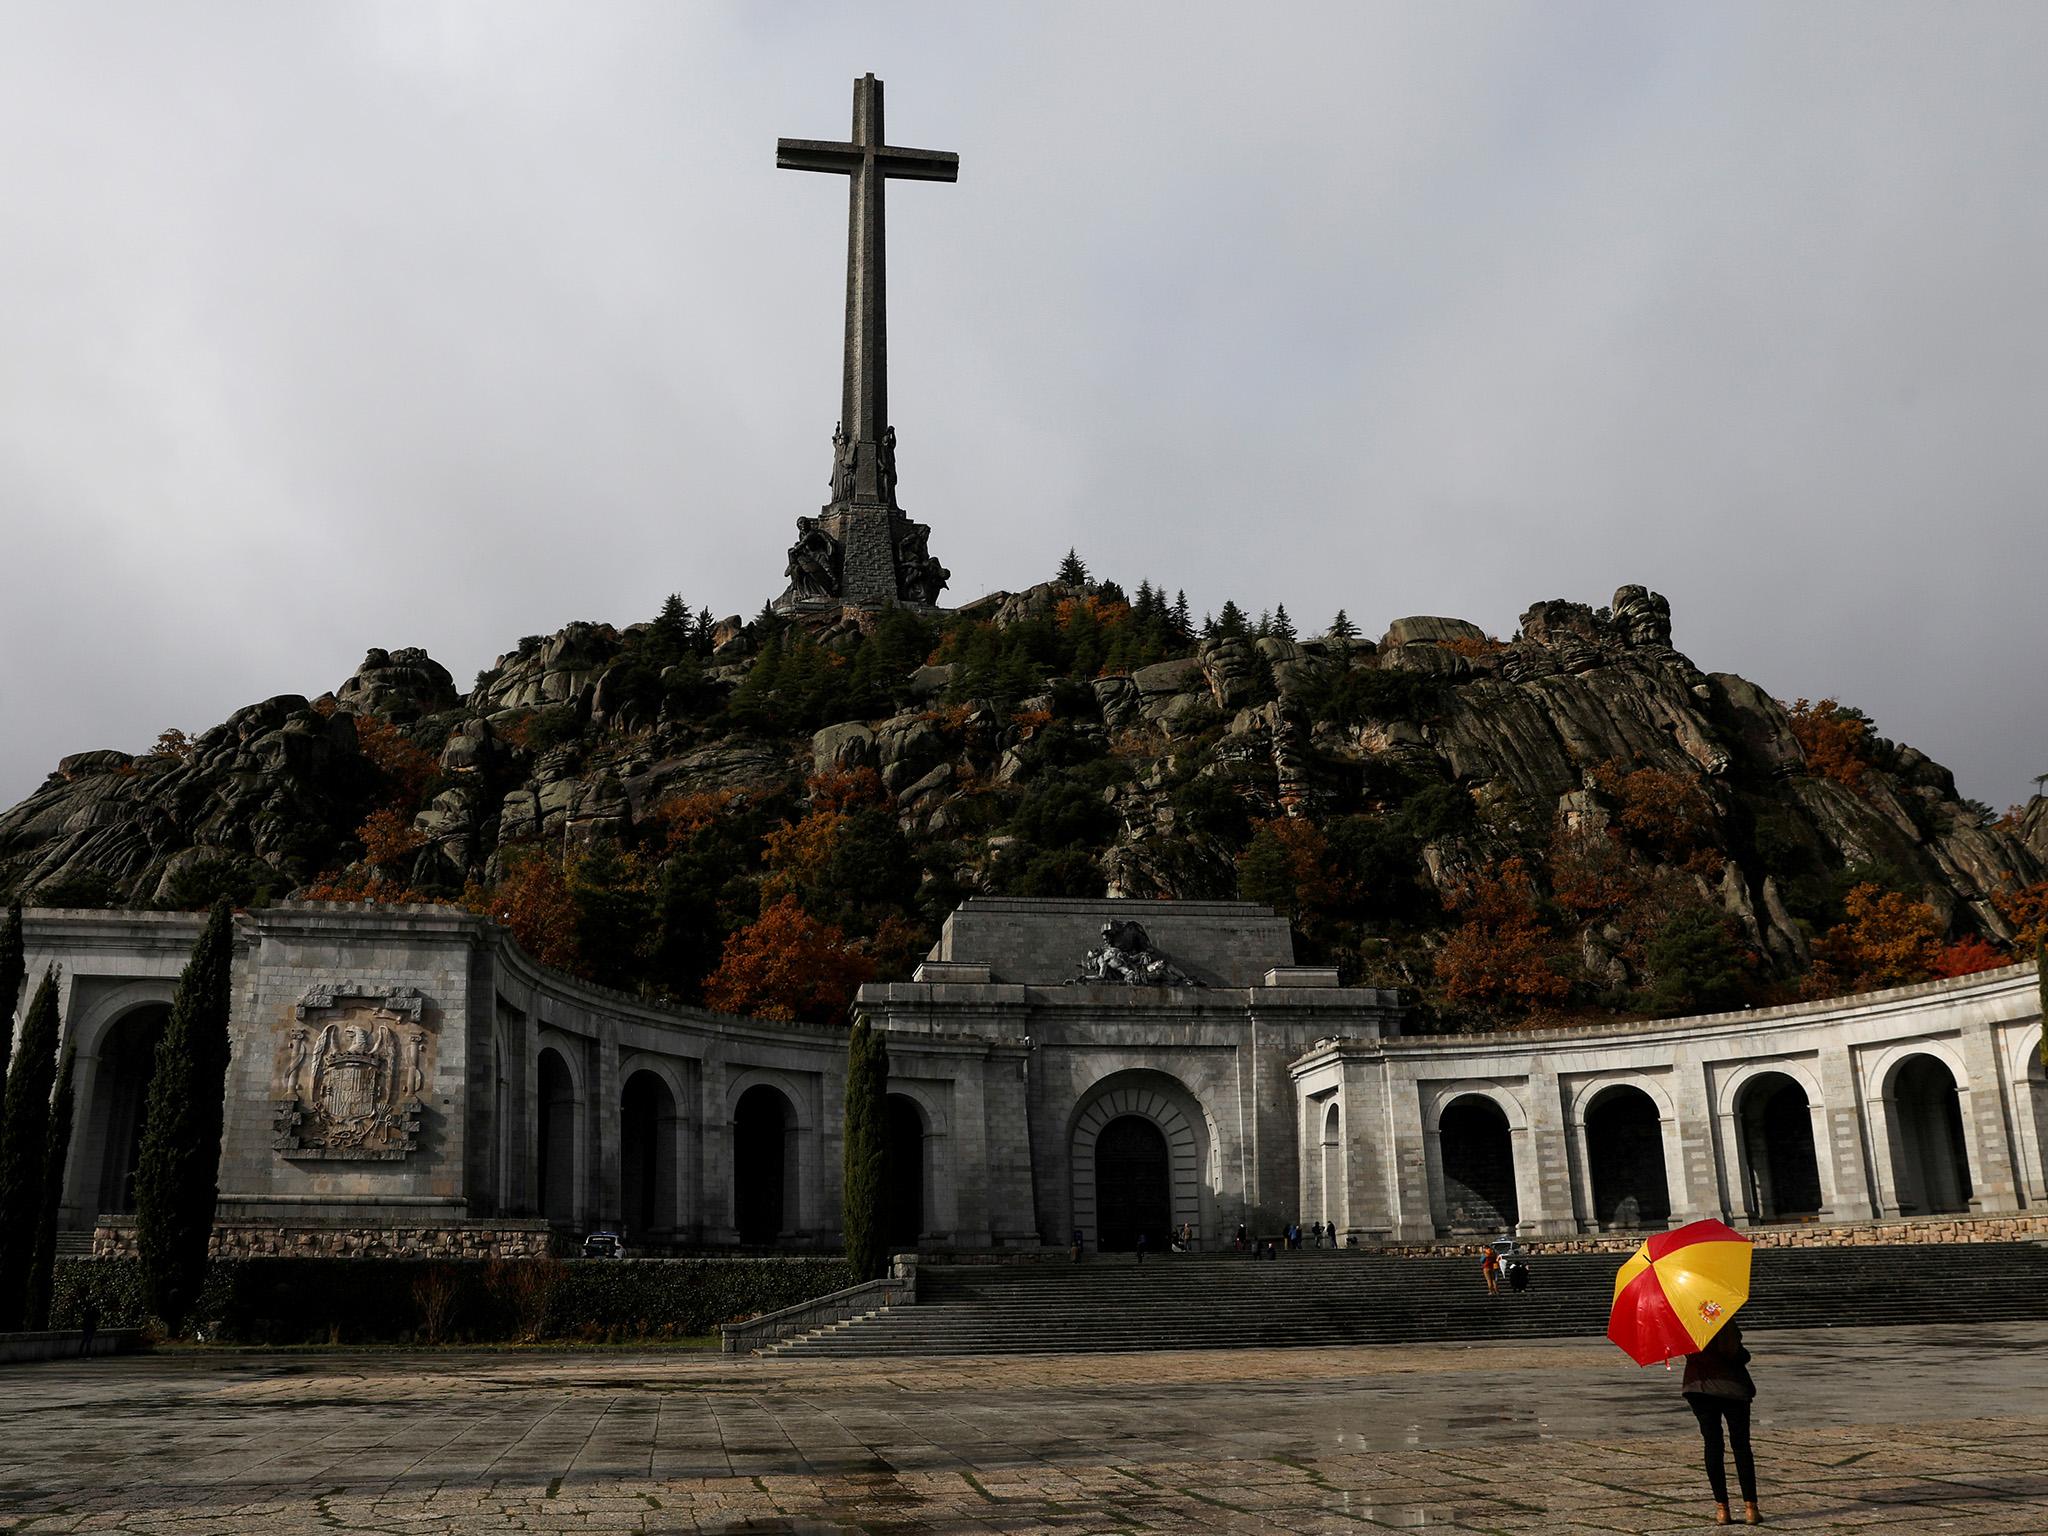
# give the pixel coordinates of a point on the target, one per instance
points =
(869, 164)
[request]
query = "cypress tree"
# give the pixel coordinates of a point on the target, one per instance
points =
(13, 971)
(867, 1089)
(177, 1177)
(23, 1141)
(42, 1273)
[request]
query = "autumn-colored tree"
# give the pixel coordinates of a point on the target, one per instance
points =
(1286, 866)
(174, 743)
(2026, 908)
(1502, 955)
(1887, 940)
(682, 817)
(1665, 812)
(787, 965)
(1966, 957)
(534, 901)
(388, 836)
(846, 789)
(1836, 741)
(407, 768)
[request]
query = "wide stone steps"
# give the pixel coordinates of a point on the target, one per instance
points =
(1310, 1298)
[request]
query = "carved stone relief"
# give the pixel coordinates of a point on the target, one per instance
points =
(352, 1073)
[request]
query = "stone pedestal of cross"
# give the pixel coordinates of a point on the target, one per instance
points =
(861, 551)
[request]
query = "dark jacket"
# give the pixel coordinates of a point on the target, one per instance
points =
(1719, 1370)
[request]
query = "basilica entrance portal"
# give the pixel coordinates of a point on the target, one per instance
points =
(1133, 1185)
(1141, 1148)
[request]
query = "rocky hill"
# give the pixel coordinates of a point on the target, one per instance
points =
(1574, 818)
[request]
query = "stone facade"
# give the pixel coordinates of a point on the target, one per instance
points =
(407, 1080)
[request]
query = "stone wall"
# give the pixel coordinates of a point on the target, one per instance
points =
(1865, 1234)
(254, 1240)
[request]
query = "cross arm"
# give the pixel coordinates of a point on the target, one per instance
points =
(817, 155)
(918, 164)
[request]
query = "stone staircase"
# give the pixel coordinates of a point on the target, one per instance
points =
(1328, 1297)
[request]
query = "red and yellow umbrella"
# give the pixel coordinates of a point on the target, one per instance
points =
(1677, 1290)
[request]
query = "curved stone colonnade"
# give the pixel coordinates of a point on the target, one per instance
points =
(409, 1071)
(499, 1095)
(1925, 1100)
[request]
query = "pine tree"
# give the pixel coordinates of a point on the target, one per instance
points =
(1283, 626)
(177, 1177)
(1146, 605)
(1072, 572)
(1341, 627)
(42, 1273)
(23, 1141)
(13, 971)
(1230, 622)
(867, 1090)
(1183, 618)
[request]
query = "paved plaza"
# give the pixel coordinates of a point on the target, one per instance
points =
(1881, 1431)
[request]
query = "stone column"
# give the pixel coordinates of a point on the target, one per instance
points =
(1369, 1160)
(1412, 1182)
(606, 1194)
(1847, 1144)
(1733, 1162)
(714, 1188)
(1546, 1189)
(1994, 1180)
(1689, 1146)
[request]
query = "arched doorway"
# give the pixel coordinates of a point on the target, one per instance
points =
(1930, 1159)
(1625, 1151)
(556, 1139)
(1479, 1166)
(1179, 1120)
(903, 1171)
(1333, 1167)
(120, 1096)
(647, 1157)
(1133, 1185)
(1775, 1122)
(764, 1166)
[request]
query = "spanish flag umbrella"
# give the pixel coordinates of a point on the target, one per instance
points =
(1678, 1289)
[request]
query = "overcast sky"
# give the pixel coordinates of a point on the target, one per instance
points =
(332, 326)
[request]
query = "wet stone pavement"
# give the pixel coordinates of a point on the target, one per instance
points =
(1874, 1431)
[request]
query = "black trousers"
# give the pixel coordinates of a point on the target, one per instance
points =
(1710, 1411)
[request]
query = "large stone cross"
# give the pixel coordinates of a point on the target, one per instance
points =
(868, 164)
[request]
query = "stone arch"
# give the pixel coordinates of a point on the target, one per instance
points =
(1333, 1181)
(906, 1170)
(1773, 1113)
(1623, 1133)
(1476, 1146)
(559, 1132)
(767, 1153)
(650, 1162)
(1175, 1113)
(1930, 1153)
(2031, 1080)
(123, 1046)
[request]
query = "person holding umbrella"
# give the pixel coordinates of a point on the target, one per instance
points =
(1718, 1387)
(1678, 1295)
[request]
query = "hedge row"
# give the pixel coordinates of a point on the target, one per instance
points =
(400, 1301)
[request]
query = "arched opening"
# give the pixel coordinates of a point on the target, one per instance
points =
(1133, 1185)
(647, 1157)
(1333, 1167)
(557, 1139)
(2037, 1094)
(1625, 1148)
(1775, 1122)
(903, 1171)
(1479, 1166)
(764, 1165)
(120, 1095)
(1931, 1161)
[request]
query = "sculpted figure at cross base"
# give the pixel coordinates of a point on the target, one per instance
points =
(813, 568)
(1127, 958)
(919, 577)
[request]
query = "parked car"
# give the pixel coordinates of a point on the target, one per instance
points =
(603, 1245)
